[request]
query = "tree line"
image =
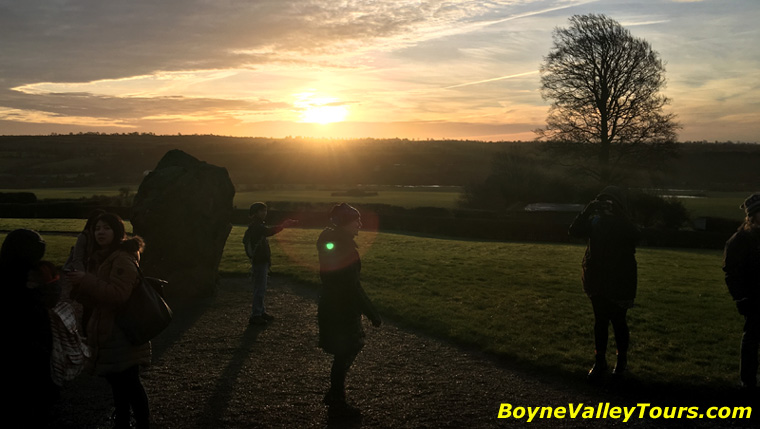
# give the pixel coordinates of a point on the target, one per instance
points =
(82, 160)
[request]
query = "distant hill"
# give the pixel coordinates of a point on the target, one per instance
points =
(97, 159)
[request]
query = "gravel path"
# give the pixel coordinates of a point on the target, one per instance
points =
(212, 370)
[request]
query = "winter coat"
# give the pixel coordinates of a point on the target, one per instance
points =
(28, 298)
(609, 264)
(343, 300)
(30, 344)
(741, 263)
(256, 242)
(104, 290)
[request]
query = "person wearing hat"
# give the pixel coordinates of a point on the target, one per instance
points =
(258, 252)
(343, 300)
(741, 264)
(609, 272)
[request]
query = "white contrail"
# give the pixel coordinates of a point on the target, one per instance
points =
(491, 80)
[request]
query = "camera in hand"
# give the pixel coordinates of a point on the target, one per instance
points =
(603, 206)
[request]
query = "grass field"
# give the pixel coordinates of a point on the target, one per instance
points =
(521, 301)
(717, 204)
(407, 197)
(713, 204)
(524, 301)
(73, 193)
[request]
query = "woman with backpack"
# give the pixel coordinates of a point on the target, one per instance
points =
(107, 283)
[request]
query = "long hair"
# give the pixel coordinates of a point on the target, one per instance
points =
(92, 219)
(120, 241)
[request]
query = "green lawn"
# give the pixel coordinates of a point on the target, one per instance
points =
(717, 204)
(523, 301)
(74, 193)
(713, 204)
(444, 197)
(402, 197)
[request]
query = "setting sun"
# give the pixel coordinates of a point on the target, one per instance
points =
(324, 114)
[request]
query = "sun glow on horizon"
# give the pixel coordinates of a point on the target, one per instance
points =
(320, 109)
(324, 114)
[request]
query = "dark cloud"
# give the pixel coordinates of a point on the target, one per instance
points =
(79, 41)
(97, 106)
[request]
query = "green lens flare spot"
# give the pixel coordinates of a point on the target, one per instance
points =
(329, 246)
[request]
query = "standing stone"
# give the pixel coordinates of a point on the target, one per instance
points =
(183, 210)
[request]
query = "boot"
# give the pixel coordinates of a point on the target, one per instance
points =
(337, 407)
(343, 411)
(621, 365)
(334, 397)
(599, 369)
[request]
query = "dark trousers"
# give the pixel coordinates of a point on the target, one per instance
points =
(749, 350)
(606, 312)
(129, 393)
(341, 364)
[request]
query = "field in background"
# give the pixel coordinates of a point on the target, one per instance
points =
(717, 204)
(74, 193)
(521, 301)
(407, 197)
(707, 203)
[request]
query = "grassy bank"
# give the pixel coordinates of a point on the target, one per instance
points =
(523, 301)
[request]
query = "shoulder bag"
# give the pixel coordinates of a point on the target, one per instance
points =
(145, 314)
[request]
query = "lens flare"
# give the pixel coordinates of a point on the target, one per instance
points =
(299, 246)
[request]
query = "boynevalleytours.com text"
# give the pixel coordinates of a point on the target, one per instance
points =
(604, 410)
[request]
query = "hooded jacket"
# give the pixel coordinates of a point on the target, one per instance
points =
(609, 264)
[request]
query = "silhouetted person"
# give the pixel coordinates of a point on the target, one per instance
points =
(343, 300)
(609, 272)
(741, 263)
(30, 288)
(112, 274)
(257, 249)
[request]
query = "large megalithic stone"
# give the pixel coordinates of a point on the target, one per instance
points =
(183, 211)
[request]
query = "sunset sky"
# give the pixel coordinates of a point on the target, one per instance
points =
(345, 69)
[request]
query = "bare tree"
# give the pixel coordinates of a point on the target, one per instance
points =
(606, 103)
